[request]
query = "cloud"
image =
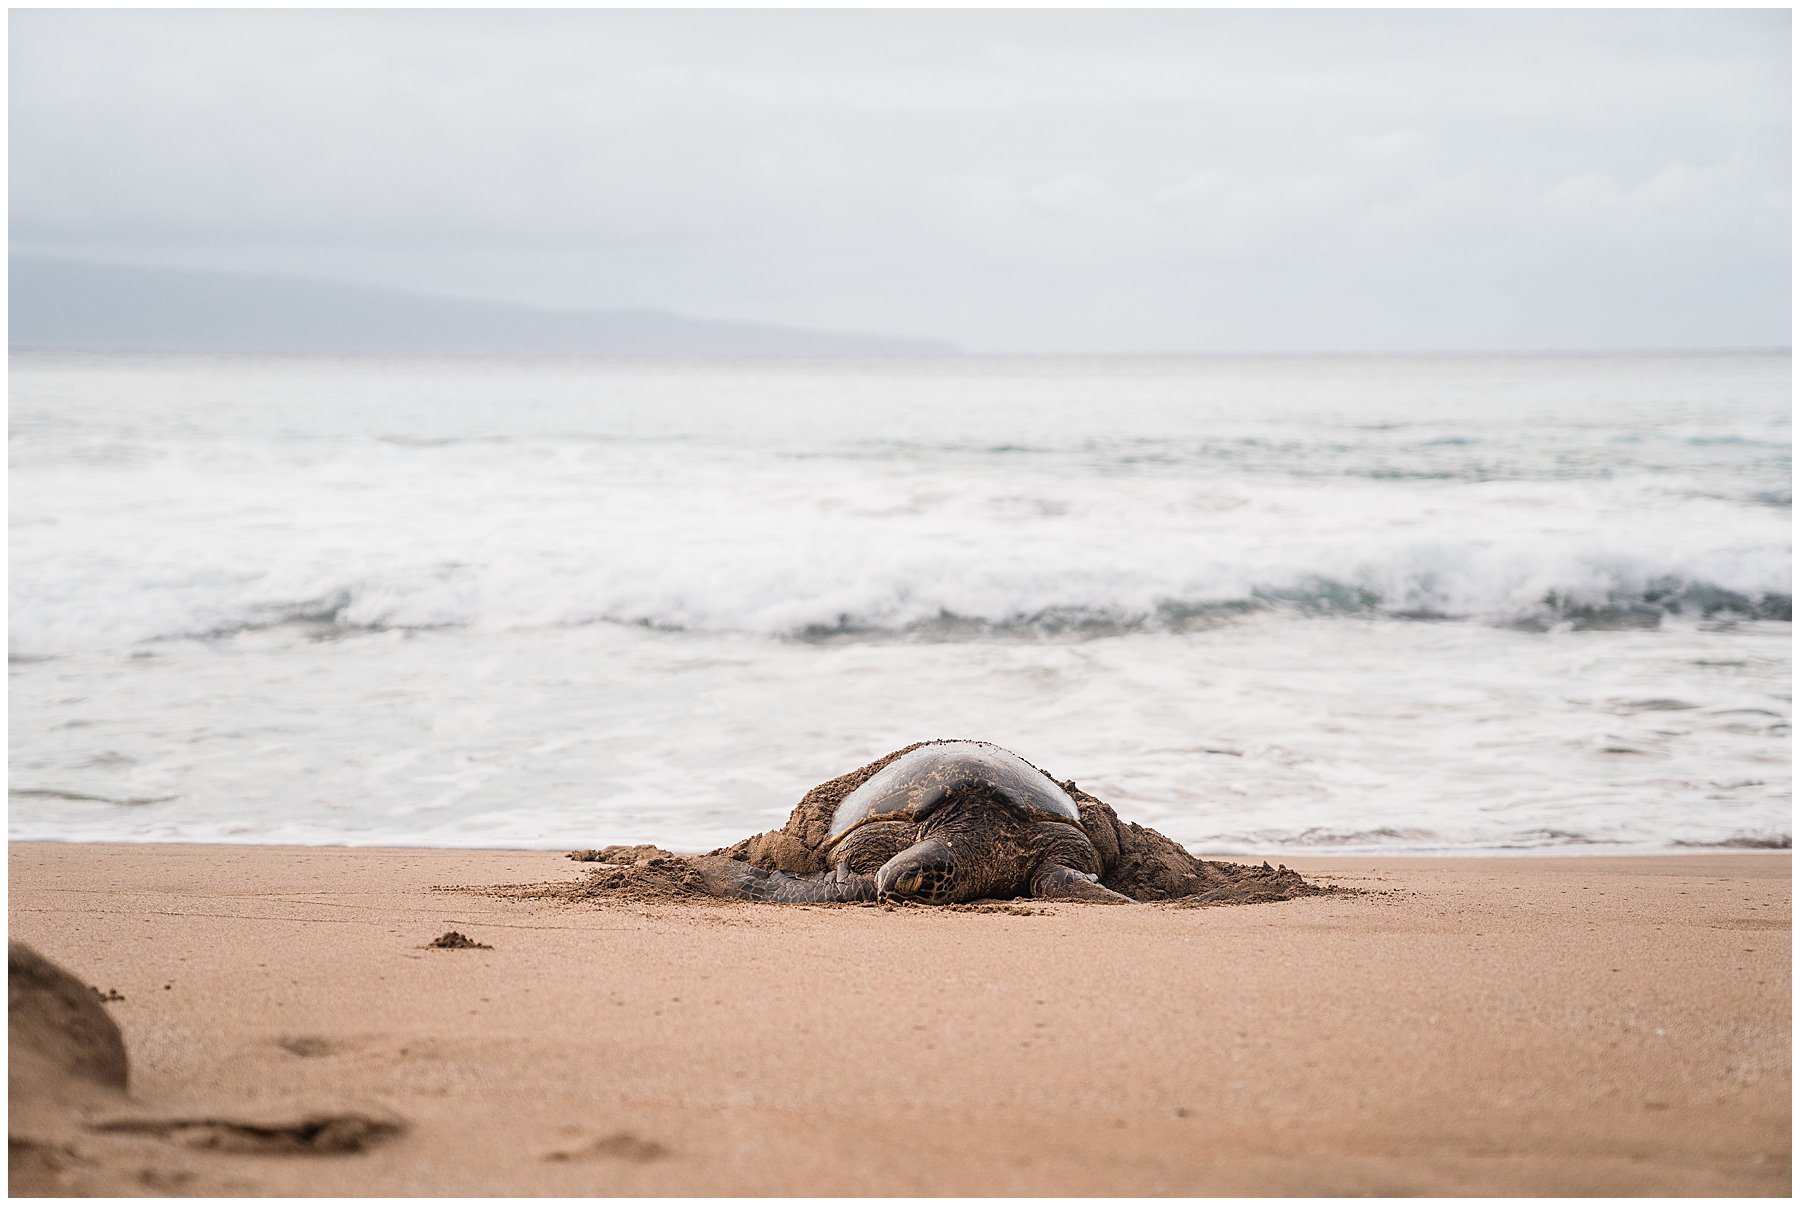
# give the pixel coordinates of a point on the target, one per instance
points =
(984, 176)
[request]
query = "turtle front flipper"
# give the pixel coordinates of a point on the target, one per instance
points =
(743, 881)
(924, 872)
(1053, 881)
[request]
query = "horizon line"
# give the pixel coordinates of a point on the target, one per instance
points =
(947, 355)
(951, 350)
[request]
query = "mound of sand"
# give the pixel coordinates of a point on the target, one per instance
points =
(1141, 863)
(630, 873)
(64, 1056)
(57, 1031)
(71, 1127)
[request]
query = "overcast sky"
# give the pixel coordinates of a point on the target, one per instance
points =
(1013, 181)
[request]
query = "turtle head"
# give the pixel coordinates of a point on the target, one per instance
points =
(925, 872)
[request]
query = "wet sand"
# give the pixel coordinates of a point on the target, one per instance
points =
(1518, 1026)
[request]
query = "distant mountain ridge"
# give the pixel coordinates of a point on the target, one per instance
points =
(77, 305)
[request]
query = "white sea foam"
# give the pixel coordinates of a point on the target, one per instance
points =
(856, 532)
(919, 579)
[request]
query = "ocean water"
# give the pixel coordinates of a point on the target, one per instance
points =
(1267, 605)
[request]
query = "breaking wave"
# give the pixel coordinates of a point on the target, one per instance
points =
(1031, 502)
(905, 598)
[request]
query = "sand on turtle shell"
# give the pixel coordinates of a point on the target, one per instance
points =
(1141, 863)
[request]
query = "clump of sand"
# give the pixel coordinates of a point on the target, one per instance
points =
(57, 1030)
(1140, 863)
(456, 940)
(65, 1058)
(634, 873)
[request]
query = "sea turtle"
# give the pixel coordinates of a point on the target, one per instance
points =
(949, 821)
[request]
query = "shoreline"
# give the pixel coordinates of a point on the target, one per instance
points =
(1522, 1024)
(1291, 858)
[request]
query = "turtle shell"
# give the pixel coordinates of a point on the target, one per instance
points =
(914, 785)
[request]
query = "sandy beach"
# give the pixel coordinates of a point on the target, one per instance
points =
(1466, 1026)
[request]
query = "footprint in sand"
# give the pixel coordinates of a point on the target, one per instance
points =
(621, 1145)
(320, 1133)
(309, 1046)
(66, 1057)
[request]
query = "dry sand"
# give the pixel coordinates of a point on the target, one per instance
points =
(1527, 1026)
